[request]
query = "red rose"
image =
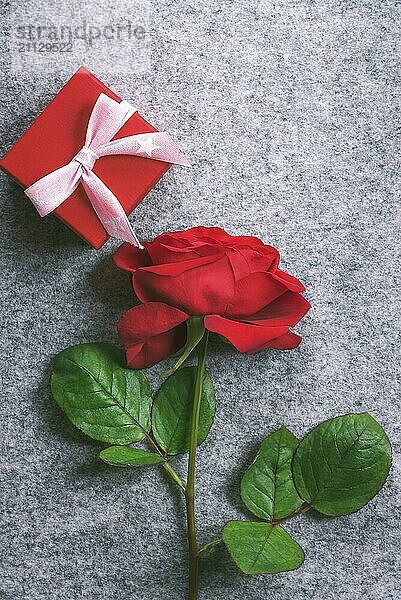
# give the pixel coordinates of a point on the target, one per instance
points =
(233, 281)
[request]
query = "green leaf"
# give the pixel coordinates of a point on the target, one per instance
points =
(262, 548)
(172, 409)
(342, 463)
(195, 332)
(104, 399)
(126, 456)
(267, 488)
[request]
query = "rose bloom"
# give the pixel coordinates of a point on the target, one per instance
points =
(233, 281)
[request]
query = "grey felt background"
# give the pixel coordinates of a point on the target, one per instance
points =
(288, 112)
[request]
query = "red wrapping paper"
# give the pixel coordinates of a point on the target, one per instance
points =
(58, 134)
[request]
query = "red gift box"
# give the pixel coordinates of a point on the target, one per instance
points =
(59, 133)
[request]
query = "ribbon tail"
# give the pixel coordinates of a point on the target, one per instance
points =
(108, 209)
(51, 191)
(157, 146)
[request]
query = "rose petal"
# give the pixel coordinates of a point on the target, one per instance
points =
(288, 341)
(245, 261)
(198, 287)
(219, 235)
(157, 348)
(291, 282)
(246, 337)
(131, 258)
(287, 310)
(253, 293)
(200, 241)
(210, 235)
(146, 320)
(164, 253)
(150, 333)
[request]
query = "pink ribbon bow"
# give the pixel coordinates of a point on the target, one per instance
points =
(106, 119)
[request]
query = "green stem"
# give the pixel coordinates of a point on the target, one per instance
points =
(304, 508)
(209, 546)
(190, 488)
(169, 469)
(173, 475)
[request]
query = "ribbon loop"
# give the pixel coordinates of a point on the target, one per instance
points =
(106, 119)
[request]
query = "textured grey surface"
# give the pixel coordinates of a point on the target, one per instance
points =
(288, 112)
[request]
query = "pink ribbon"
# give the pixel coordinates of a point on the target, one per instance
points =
(107, 118)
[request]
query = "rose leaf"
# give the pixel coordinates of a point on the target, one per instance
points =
(259, 548)
(267, 488)
(126, 456)
(342, 464)
(102, 397)
(172, 410)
